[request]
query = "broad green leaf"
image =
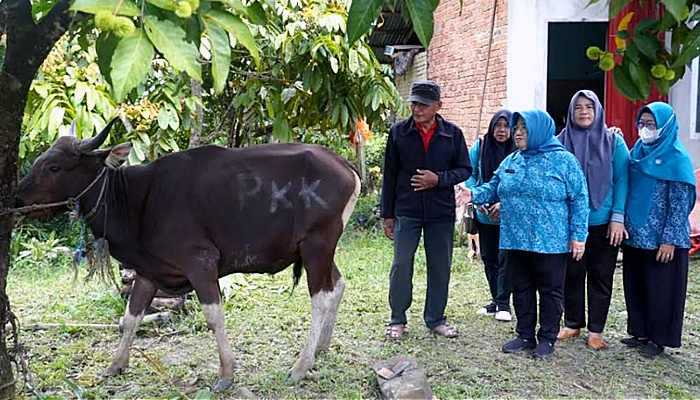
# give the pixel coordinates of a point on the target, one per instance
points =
(80, 89)
(421, 12)
(91, 98)
(163, 118)
(104, 46)
(170, 5)
(126, 7)
(690, 49)
(334, 64)
(233, 25)
(130, 63)
(361, 16)
(617, 5)
(624, 84)
(647, 45)
(256, 14)
(436, 3)
(55, 120)
(353, 62)
(280, 129)
(632, 52)
(641, 78)
(675, 7)
(220, 54)
(646, 25)
(169, 39)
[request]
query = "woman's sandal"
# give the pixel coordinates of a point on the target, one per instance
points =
(445, 331)
(395, 331)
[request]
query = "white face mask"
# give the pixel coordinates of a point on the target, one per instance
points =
(647, 135)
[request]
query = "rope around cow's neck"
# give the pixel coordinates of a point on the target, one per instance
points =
(71, 202)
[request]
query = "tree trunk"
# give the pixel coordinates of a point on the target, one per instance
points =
(196, 138)
(28, 45)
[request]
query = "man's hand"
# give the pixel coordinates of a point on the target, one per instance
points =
(495, 214)
(464, 196)
(665, 253)
(577, 248)
(388, 224)
(617, 233)
(423, 180)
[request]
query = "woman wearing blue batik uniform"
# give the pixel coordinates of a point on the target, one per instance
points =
(485, 156)
(655, 267)
(544, 216)
(604, 158)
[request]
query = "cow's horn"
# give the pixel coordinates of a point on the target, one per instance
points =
(87, 145)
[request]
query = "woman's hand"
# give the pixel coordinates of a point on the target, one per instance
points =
(577, 249)
(615, 129)
(464, 196)
(617, 233)
(665, 253)
(495, 214)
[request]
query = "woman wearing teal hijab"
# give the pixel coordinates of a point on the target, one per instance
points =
(544, 217)
(655, 267)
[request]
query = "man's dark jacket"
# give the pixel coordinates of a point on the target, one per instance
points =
(447, 156)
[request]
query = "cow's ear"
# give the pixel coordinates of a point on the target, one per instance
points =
(117, 155)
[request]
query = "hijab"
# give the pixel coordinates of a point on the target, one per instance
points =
(664, 159)
(492, 152)
(593, 147)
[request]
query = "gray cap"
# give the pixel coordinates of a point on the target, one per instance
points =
(425, 92)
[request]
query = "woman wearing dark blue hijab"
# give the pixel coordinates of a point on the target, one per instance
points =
(604, 158)
(544, 217)
(486, 155)
(655, 267)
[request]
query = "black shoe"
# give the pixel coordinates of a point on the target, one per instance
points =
(487, 310)
(652, 349)
(517, 345)
(544, 349)
(634, 341)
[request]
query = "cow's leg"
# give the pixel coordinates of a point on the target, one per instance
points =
(325, 287)
(329, 320)
(140, 298)
(206, 284)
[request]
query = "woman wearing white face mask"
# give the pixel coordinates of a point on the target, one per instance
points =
(660, 198)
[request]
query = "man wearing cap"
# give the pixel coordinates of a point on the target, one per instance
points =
(425, 157)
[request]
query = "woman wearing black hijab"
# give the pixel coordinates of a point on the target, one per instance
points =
(486, 155)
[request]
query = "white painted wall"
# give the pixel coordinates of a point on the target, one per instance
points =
(683, 98)
(527, 45)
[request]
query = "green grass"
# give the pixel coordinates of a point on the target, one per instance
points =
(268, 325)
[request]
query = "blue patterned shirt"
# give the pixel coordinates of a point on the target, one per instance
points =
(668, 218)
(544, 201)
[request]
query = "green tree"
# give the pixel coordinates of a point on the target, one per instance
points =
(132, 33)
(641, 59)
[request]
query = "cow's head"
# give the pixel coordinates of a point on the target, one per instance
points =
(67, 168)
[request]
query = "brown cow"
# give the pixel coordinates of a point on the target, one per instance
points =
(189, 218)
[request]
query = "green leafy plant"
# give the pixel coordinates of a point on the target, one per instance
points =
(641, 60)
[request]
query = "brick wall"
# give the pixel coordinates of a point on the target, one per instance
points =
(418, 71)
(457, 60)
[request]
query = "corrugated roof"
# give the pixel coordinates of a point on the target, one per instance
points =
(391, 29)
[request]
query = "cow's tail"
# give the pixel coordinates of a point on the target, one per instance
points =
(298, 264)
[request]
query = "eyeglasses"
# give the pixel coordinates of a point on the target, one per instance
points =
(649, 124)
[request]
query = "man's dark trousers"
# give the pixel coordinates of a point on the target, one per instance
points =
(438, 242)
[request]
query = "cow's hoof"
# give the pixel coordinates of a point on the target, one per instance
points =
(221, 384)
(296, 375)
(111, 371)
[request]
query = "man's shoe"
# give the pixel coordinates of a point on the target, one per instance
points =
(544, 349)
(518, 344)
(487, 310)
(503, 315)
(567, 333)
(652, 349)
(596, 342)
(634, 341)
